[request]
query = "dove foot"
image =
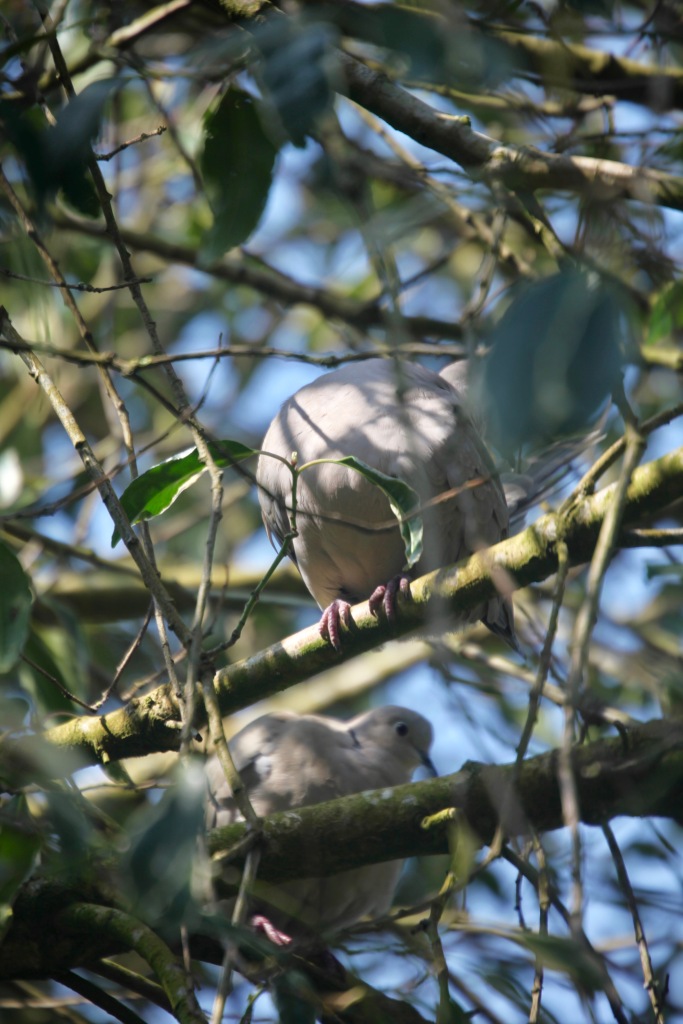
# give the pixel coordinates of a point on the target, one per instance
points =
(331, 621)
(385, 596)
(262, 924)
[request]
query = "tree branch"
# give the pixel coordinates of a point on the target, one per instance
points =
(638, 775)
(268, 281)
(146, 724)
(516, 167)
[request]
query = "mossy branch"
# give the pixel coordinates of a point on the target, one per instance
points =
(148, 724)
(638, 774)
(129, 933)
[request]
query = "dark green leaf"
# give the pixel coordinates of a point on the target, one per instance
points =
(566, 955)
(237, 166)
(404, 502)
(430, 49)
(157, 867)
(59, 656)
(13, 712)
(298, 65)
(453, 1013)
(554, 359)
(19, 847)
(155, 490)
(57, 156)
(69, 820)
(15, 608)
(295, 998)
(69, 142)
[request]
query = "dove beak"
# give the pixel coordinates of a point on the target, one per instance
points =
(428, 763)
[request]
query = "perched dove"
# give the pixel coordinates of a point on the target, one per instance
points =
(407, 422)
(287, 760)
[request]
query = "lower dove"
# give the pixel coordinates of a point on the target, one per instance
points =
(407, 422)
(287, 760)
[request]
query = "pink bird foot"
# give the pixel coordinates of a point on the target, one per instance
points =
(385, 596)
(262, 924)
(331, 621)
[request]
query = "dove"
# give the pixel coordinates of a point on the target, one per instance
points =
(286, 761)
(407, 422)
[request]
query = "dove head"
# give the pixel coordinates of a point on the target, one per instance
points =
(404, 735)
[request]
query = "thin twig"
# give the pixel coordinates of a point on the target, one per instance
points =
(329, 360)
(100, 479)
(237, 788)
(579, 648)
(586, 484)
(103, 157)
(533, 876)
(91, 709)
(651, 986)
(544, 906)
(546, 653)
(239, 915)
(80, 287)
(126, 658)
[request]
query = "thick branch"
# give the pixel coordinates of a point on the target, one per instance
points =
(268, 281)
(146, 724)
(516, 167)
(584, 69)
(638, 774)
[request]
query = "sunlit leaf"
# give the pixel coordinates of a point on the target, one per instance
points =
(554, 359)
(404, 502)
(237, 166)
(667, 314)
(15, 608)
(155, 490)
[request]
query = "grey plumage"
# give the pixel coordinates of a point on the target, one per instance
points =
(406, 422)
(286, 761)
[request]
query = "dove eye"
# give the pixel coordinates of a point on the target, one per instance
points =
(401, 728)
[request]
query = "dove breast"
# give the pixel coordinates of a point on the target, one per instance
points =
(406, 422)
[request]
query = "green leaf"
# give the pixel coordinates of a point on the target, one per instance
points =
(15, 608)
(554, 359)
(404, 502)
(237, 166)
(59, 659)
(157, 867)
(19, 847)
(667, 314)
(57, 156)
(566, 955)
(295, 998)
(155, 490)
(299, 62)
(67, 811)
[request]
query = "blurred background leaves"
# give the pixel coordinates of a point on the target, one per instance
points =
(276, 227)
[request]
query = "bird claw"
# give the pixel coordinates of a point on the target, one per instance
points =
(385, 596)
(262, 924)
(331, 620)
